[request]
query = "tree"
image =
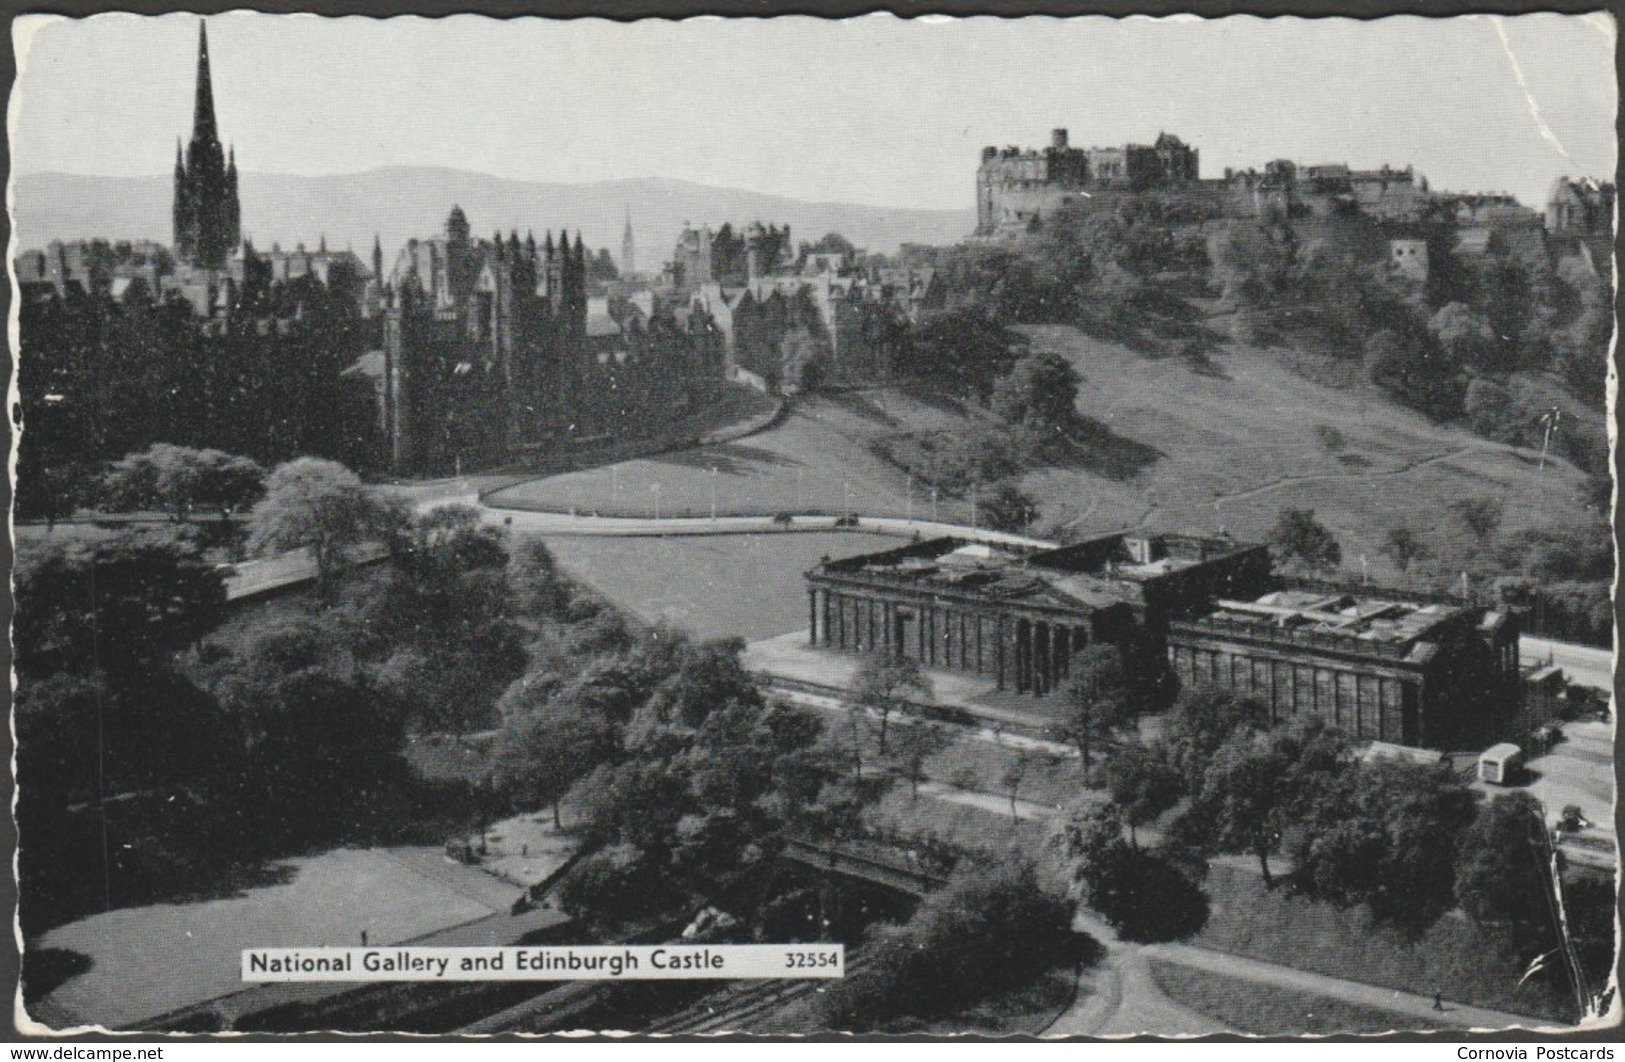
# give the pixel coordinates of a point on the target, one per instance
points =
(1144, 895)
(179, 478)
(1015, 772)
(989, 930)
(884, 684)
(120, 604)
(1099, 699)
(1384, 834)
(1500, 874)
(446, 611)
(319, 505)
(1480, 516)
(963, 350)
(915, 745)
(1300, 539)
(47, 492)
(1144, 782)
(549, 748)
(1039, 391)
(1466, 336)
(1206, 716)
(1007, 507)
(1256, 783)
(540, 589)
(1402, 546)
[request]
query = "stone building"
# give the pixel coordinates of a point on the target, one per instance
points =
(1020, 614)
(207, 217)
(1016, 187)
(484, 345)
(1381, 669)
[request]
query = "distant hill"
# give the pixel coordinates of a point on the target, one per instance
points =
(403, 202)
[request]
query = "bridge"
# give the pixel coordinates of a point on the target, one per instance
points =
(847, 863)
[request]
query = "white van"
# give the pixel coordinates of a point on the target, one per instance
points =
(1499, 764)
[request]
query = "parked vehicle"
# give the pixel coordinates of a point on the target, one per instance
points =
(1500, 764)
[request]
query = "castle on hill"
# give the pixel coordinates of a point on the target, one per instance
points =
(1386, 211)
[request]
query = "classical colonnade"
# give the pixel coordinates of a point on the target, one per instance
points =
(1029, 652)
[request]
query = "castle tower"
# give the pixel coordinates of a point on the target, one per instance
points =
(207, 216)
(628, 259)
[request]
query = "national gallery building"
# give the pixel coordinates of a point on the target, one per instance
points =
(1378, 667)
(1020, 614)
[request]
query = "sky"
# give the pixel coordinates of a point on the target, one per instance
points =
(874, 110)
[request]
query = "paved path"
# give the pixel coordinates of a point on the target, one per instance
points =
(572, 524)
(1584, 665)
(1119, 997)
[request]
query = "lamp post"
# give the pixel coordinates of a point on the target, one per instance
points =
(713, 493)
(934, 505)
(846, 493)
(655, 489)
(910, 503)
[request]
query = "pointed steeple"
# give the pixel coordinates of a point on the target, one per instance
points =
(628, 252)
(180, 162)
(203, 127)
(231, 162)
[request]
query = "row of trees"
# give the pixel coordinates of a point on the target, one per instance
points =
(1408, 842)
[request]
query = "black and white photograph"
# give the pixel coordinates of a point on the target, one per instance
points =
(1042, 527)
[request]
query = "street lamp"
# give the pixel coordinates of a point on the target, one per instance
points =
(846, 491)
(933, 505)
(713, 492)
(910, 503)
(655, 489)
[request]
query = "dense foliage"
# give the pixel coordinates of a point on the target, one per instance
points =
(991, 928)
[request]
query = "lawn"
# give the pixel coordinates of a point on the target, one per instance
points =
(146, 961)
(1269, 1010)
(1466, 962)
(975, 829)
(712, 586)
(818, 461)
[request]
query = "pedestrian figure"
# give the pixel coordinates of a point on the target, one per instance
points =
(524, 851)
(1438, 1001)
(363, 938)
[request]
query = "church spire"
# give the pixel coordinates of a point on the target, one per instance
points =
(628, 257)
(203, 128)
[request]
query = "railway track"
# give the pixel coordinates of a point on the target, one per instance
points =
(739, 1009)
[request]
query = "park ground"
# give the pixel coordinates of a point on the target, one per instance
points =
(1233, 446)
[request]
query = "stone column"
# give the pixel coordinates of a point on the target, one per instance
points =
(812, 617)
(998, 648)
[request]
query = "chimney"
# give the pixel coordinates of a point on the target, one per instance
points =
(1057, 139)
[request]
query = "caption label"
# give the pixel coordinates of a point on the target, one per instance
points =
(658, 962)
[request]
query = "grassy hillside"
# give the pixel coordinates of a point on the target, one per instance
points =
(1248, 435)
(1231, 442)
